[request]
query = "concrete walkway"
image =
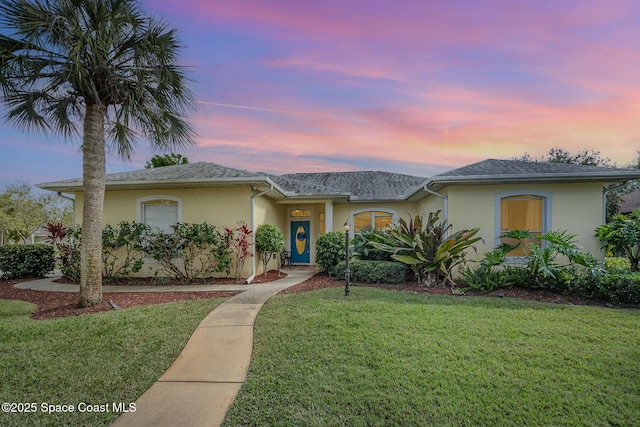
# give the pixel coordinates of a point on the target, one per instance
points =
(202, 383)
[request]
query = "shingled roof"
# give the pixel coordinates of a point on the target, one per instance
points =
(364, 185)
(200, 174)
(630, 202)
(512, 171)
(354, 186)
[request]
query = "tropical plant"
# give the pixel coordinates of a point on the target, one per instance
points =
(123, 249)
(269, 242)
(237, 239)
(621, 236)
(330, 250)
(489, 275)
(540, 268)
(69, 255)
(426, 249)
(57, 232)
(363, 249)
(97, 68)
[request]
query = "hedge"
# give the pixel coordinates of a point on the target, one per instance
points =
(620, 288)
(20, 261)
(366, 271)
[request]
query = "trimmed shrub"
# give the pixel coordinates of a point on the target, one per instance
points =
(620, 288)
(330, 250)
(190, 251)
(123, 249)
(21, 261)
(269, 242)
(366, 271)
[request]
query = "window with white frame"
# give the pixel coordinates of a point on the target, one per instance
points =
(372, 219)
(527, 211)
(160, 212)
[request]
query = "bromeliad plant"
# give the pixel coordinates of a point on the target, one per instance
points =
(426, 248)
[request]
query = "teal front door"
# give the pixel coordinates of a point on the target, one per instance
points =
(300, 242)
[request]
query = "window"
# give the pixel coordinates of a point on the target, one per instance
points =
(298, 213)
(523, 212)
(322, 221)
(160, 212)
(366, 220)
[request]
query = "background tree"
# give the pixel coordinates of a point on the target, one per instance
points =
(590, 157)
(159, 161)
(22, 212)
(585, 157)
(97, 68)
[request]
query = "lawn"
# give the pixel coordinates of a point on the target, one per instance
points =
(95, 359)
(385, 358)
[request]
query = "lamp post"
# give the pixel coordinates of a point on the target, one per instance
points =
(347, 227)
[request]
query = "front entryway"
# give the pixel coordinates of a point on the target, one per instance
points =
(300, 253)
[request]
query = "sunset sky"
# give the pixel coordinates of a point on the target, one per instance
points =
(408, 86)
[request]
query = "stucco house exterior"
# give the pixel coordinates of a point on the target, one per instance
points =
(495, 195)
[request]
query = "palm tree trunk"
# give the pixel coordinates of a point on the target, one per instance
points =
(93, 175)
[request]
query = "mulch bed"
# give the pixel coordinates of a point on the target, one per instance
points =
(65, 304)
(52, 305)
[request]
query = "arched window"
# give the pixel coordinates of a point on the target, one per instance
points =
(522, 211)
(378, 219)
(159, 212)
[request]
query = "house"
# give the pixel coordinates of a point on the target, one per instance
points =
(630, 202)
(495, 195)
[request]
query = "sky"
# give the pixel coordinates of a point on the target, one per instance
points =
(409, 86)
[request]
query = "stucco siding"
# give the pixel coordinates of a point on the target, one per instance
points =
(576, 208)
(433, 203)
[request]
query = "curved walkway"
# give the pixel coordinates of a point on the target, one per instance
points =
(202, 383)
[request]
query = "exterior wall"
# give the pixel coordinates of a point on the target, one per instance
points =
(576, 208)
(433, 203)
(216, 206)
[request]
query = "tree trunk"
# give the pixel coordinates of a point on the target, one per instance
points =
(93, 176)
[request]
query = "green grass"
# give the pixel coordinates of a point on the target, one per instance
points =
(385, 358)
(95, 359)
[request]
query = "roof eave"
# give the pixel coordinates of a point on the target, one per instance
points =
(605, 177)
(265, 182)
(317, 196)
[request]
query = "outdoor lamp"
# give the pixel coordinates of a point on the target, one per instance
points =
(347, 227)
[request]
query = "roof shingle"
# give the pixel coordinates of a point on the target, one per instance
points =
(364, 185)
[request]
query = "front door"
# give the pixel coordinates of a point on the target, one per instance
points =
(300, 242)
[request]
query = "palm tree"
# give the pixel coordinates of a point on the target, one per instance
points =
(99, 68)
